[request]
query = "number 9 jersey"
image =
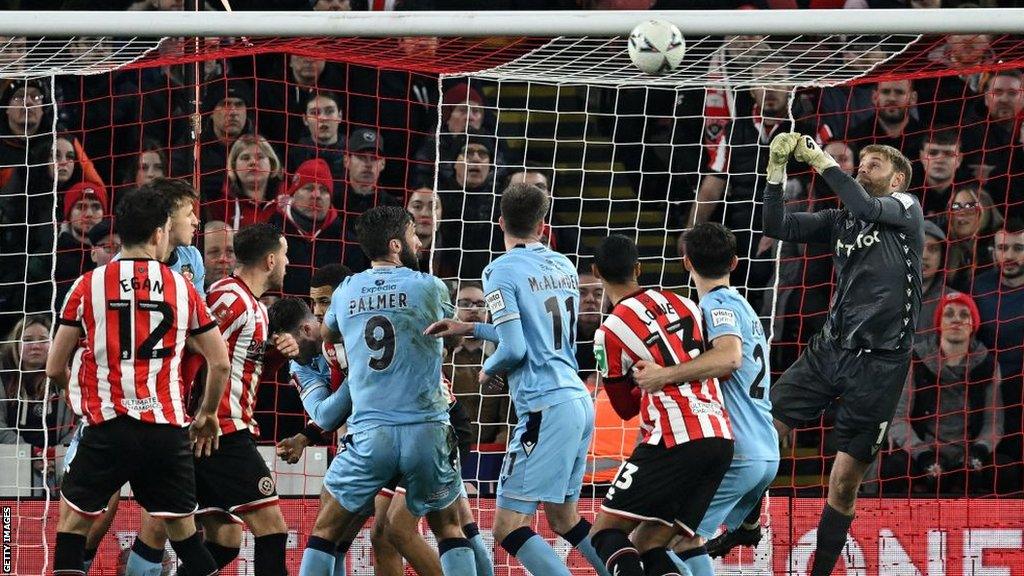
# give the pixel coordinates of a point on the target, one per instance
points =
(394, 370)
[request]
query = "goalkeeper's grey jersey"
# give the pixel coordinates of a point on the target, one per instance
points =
(876, 247)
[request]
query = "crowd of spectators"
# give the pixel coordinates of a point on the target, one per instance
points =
(308, 145)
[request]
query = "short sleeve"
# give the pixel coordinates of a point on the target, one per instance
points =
(199, 318)
(720, 319)
(444, 297)
(500, 295)
(613, 362)
(74, 303)
(228, 311)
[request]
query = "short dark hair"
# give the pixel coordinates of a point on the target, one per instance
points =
(616, 257)
(523, 206)
(329, 275)
(470, 284)
(287, 314)
(178, 192)
(942, 136)
(379, 226)
(139, 214)
(254, 242)
(710, 248)
(1013, 226)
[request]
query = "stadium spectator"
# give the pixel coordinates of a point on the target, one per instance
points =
(463, 111)
(471, 204)
(38, 415)
(23, 139)
(938, 275)
(141, 168)
(842, 107)
(591, 302)
(315, 233)
(489, 412)
(105, 243)
(566, 235)
(940, 158)
(947, 100)
(218, 251)
(283, 97)
(970, 225)
(85, 204)
(363, 164)
(250, 190)
(322, 139)
(999, 294)
(992, 139)
(332, 5)
(949, 417)
(893, 124)
(226, 104)
(425, 207)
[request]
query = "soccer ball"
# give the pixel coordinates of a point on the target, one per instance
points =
(656, 47)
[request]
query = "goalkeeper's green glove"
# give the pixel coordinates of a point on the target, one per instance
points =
(778, 156)
(808, 152)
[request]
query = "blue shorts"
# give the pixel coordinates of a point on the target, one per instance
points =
(547, 457)
(741, 489)
(425, 455)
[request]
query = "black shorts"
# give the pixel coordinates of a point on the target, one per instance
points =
(155, 459)
(866, 386)
(673, 486)
(234, 479)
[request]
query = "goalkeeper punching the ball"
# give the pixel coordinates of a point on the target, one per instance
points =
(862, 354)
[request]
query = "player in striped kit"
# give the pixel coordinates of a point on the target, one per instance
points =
(739, 358)
(687, 437)
(135, 316)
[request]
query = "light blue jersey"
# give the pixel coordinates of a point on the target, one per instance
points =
(187, 261)
(394, 370)
(746, 391)
(539, 289)
(329, 410)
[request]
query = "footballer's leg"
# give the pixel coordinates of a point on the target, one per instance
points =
(331, 520)
(270, 536)
(387, 561)
(99, 529)
(402, 531)
(147, 553)
(484, 561)
(345, 543)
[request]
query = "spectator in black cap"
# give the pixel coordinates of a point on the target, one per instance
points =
(363, 164)
(225, 103)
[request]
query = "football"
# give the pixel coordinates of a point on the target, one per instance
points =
(656, 47)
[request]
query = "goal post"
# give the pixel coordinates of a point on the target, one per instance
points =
(460, 104)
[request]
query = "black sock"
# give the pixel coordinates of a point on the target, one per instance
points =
(832, 530)
(222, 556)
(754, 517)
(450, 543)
(692, 553)
(516, 538)
(577, 533)
(321, 544)
(69, 554)
(268, 555)
(343, 547)
(657, 563)
(193, 555)
(152, 555)
(619, 555)
(470, 530)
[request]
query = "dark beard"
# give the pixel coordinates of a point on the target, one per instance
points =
(408, 257)
(893, 116)
(872, 188)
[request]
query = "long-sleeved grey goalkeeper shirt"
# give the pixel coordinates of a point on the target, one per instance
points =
(877, 245)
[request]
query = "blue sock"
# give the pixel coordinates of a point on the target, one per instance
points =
(456, 557)
(579, 537)
(339, 561)
(534, 553)
(484, 562)
(144, 561)
(317, 558)
(697, 561)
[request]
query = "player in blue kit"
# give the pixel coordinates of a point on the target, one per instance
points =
(399, 423)
(533, 296)
(739, 358)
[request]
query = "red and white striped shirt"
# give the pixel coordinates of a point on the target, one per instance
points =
(663, 327)
(136, 315)
(243, 322)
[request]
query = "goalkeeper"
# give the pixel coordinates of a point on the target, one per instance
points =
(862, 354)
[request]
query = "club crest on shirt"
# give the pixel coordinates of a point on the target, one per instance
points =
(187, 272)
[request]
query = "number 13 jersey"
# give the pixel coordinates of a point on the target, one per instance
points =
(394, 370)
(135, 315)
(660, 326)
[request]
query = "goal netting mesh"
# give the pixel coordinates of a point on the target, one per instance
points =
(441, 125)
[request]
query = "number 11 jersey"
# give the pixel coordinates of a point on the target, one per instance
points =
(394, 370)
(539, 288)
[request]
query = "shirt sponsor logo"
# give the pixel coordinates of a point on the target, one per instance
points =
(862, 241)
(699, 407)
(723, 317)
(495, 301)
(141, 404)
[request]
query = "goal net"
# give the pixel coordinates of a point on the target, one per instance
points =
(441, 126)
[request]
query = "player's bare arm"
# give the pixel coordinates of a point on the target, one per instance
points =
(205, 429)
(725, 355)
(64, 343)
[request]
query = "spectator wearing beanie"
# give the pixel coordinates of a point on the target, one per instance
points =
(313, 228)
(950, 416)
(85, 204)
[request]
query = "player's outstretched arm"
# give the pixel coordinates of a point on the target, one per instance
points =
(724, 357)
(205, 429)
(776, 222)
(511, 349)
